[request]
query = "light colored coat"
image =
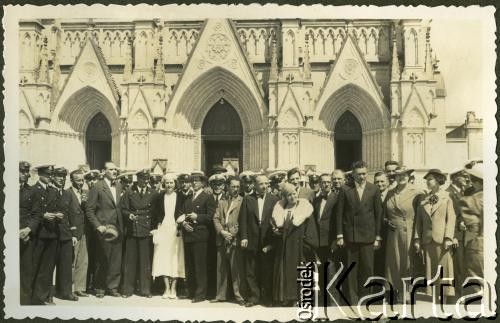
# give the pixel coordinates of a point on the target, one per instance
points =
(435, 222)
(226, 217)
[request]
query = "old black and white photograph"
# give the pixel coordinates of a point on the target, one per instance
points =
(269, 162)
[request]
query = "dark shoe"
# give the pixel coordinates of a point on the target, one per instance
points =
(71, 297)
(99, 295)
(250, 304)
(49, 302)
(81, 294)
(148, 295)
(215, 300)
(241, 303)
(197, 300)
(114, 293)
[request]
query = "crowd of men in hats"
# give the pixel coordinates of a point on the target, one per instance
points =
(243, 235)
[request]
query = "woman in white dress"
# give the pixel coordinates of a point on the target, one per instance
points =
(168, 258)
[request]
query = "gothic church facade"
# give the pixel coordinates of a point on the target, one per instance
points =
(253, 94)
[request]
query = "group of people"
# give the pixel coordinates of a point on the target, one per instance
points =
(241, 238)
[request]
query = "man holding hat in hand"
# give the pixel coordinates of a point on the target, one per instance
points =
(137, 205)
(103, 212)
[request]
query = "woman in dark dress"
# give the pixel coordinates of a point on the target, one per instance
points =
(290, 221)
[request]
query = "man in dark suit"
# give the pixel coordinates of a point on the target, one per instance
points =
(255, 230)
(381, 180)
(137, 204)
(77, 199)
(359, 217)
(102, 210)
(324, 216)
(293, 176)
(48, 205)
(197, 218)
(28, 225)
(64, 260)
(91, 177)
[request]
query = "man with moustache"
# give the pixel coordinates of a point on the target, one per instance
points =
(228, 252)
(294, 178)
(77, 199)
(390, 167)
(103, 212)
(136, 204)
(255, 230)
(196, 219)
(359, 217)
(28, 225)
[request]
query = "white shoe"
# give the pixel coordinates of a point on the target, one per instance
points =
(165, 296)
(172, 295)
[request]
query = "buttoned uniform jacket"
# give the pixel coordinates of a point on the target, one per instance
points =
(435, 222)
(226, 218)
(141, 206)
(50, 200)
(76, 214)
(326, 222)
(101, 208)
(64, 226)
(204, 206)
(257, 233)
(28, 218)
(359, 220)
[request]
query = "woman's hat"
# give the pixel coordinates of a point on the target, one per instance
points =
(436, 172)
(476, 171)
(111, 233)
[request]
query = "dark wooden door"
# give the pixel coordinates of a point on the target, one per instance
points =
(217, 151)
(346, 153)
(98, 153)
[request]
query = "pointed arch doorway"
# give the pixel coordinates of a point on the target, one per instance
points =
(98, 141)
(222, 138)
(348, 145)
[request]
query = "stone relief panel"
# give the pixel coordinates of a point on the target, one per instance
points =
(179, 44)
(289, 149)
(139, 157)
(414, 119)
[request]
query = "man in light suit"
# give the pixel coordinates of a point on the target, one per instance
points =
(228, 252)
(294, 178)
(102, 209)
(255, 230)
(359, 218)
(77, 223)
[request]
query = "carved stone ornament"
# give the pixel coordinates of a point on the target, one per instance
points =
(88, 73)
(202, 64)
(218, 47)
(350, 69)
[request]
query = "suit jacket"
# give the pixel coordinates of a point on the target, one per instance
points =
(101, 208)
(76, 214)
(326, 222)
(226, 218)
(64, 226)
(159, 208)
(307, 193)
(257, 234)
(471, 208)
(435, 222)
(50, 200)
(132, 202)
(204, 206)
(359, 220)
(28, 216)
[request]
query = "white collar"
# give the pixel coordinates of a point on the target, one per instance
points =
(43, 184)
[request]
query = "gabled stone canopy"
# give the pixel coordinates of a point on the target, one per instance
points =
(89, 76)
(217, 68)
(349, 72)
